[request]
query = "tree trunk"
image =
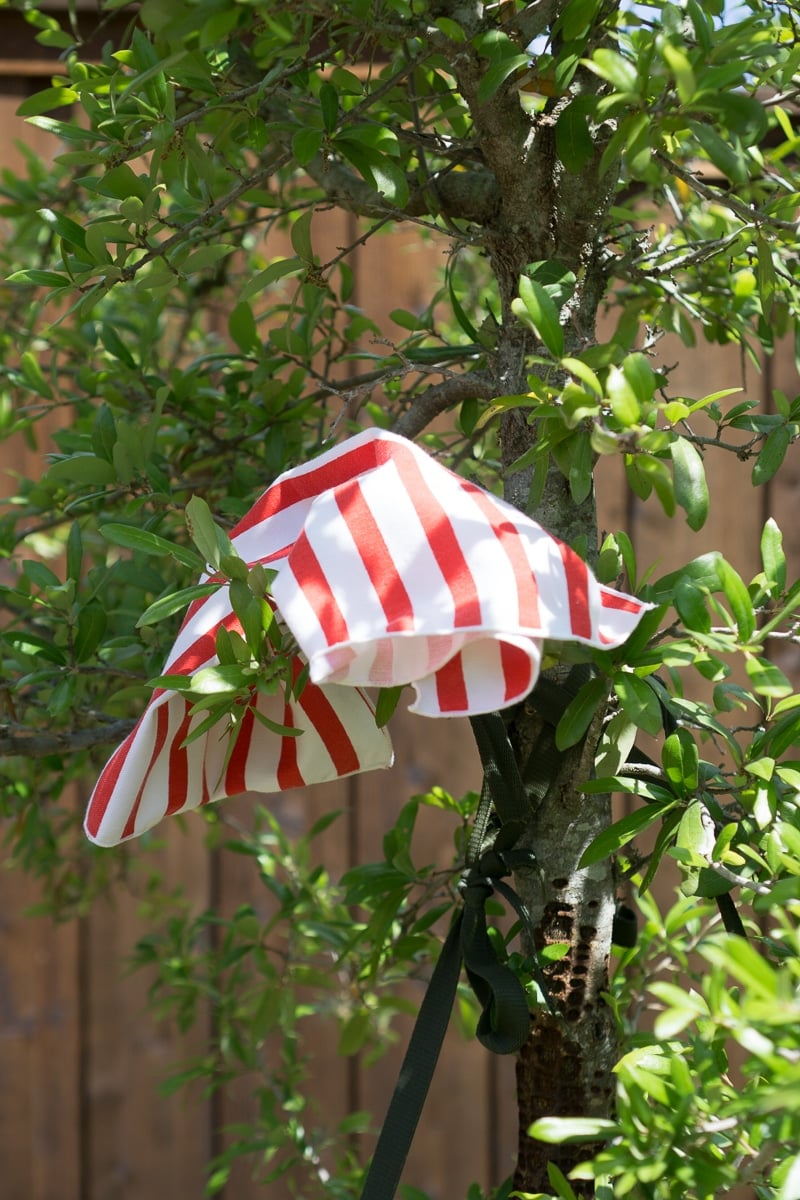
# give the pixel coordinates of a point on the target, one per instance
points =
(565, 1068)
(542, 212)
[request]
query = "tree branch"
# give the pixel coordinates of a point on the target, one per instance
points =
(750, 215)
(19, 742)
(437, 399)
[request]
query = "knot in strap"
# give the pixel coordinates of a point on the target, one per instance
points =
(504, 1022)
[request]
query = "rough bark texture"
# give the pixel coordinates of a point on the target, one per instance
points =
(565, 1068)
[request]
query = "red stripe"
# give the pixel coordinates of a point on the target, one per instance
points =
(318, 708)
(510, 541)
(178, 769)
(236, 773)
(309, 485)
(201, 601)
(312, 581)
(162, 728)
(441, 539)
(620, 603)
(376, 557)
(104, 789)
(517, 670)
(577, 575)
(203, 648)
(288, 773)
(451, 689)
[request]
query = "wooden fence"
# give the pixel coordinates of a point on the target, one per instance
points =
(81, 1117)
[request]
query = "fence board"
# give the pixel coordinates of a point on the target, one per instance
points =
(138, 1142)
(40, 1074)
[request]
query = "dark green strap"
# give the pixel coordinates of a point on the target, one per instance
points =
(500, 771)
(416, 1072)
(504, 1023)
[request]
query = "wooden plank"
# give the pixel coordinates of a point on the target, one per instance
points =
(137, 1141)
(39, 1048)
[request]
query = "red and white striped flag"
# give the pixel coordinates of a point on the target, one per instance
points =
(391, 570)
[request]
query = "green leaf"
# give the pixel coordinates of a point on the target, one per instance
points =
(498, 72)
(691, 488)
(274, 727)
(119, 182)
(47, 100)
(725, 154)
(65, 227)
(639, 701)
(766, 276)
(558, 1180)
(623, 831)
(583, 372)
(329, 104)
(580, 471)
(159, 610)
(81, 469)
(766, 678)
(301, 236)
(89, 631)
(355, 1032)
(388, 699)
(772, 555)
(242, 327)
(561, 1130)
(34, 646)
(574, 145)
(271, 274)
(40, 575)
(681, 761)
(622, 397)
(738, 597)
(214, 681)
(696, 831)
(771, 455)
(616, 69)
(536, 308)
(450, 29)
(40, 278)
(306, 145)
(74, 552)
(740, 958)
(115, 346)
(641, 377)
(205, 533)
(577, 716)
(680, 67)
(147, 542)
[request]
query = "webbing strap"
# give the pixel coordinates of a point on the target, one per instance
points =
(500, 771)
(416, 1072)
(504, 1023)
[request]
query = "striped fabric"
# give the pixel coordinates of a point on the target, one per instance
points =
(391, 570)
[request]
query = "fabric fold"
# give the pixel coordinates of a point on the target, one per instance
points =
(391, 570)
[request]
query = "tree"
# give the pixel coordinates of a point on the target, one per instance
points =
(575, 157)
